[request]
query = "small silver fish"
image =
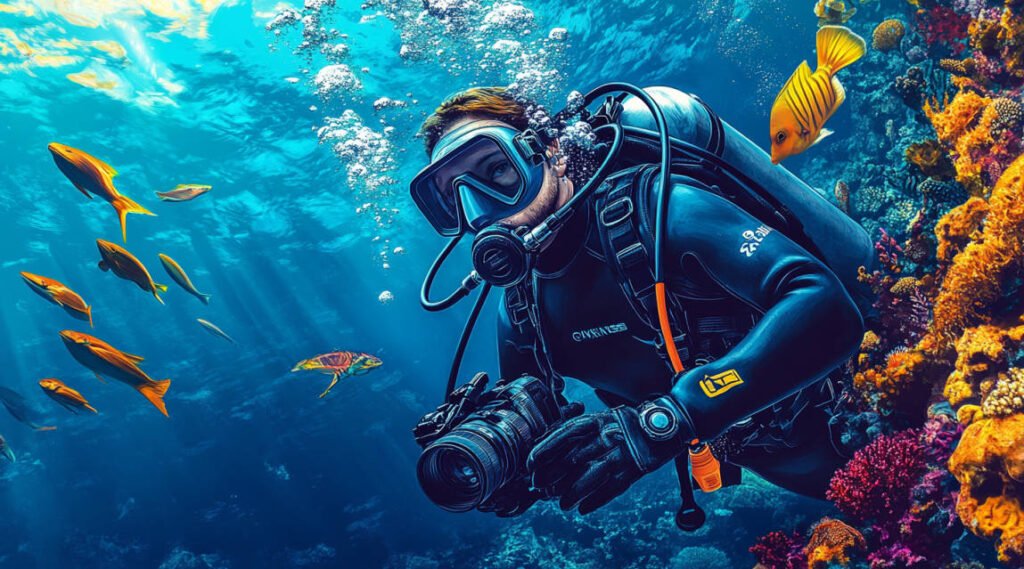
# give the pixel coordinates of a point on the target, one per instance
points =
(5, 449)
(213, 329)
(179, 276)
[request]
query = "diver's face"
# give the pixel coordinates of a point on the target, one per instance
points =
(549, 198)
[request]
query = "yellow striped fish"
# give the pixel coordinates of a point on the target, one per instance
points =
(808, 99)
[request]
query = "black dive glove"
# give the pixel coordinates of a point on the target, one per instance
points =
(517, 496)
(593, 458)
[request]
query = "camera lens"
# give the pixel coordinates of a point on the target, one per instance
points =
(460, 470)
(463, 468)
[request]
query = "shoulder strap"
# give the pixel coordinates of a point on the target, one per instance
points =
(523, 315)
(627, 241)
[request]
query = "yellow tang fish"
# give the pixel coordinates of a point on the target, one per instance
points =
(93, 176)
(808, 99)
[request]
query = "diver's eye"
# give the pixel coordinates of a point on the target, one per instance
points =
(501, 173)
(781, 137)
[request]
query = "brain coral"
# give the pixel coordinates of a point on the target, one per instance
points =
(989, 464)
(887, 35)
(833, 542)
(1007, 397)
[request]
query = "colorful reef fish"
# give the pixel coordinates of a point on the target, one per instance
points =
(183, 192)
(809, 99)
(129, 268)
(179, 276)
(338, 364)
(65, 396)
(93, 176)
(59, 294)
(5, 449)
(214, 329)
(19, 408)
(833, 12)
(106, 360)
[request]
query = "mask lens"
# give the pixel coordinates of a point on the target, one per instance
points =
(481, 168)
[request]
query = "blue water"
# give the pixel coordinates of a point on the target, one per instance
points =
(251, 469)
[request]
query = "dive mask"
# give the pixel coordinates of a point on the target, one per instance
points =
(479, 173)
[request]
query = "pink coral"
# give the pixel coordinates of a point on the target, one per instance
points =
(875, 485)
(940, 25)
(778, 550)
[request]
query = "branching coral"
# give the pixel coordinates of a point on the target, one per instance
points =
(875, 485)
(887, 35)
(989, 464)
(778, 550)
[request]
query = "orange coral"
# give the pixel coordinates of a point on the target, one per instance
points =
(965, 126)
(958, 227)
(989, 464)
(832, 542)
(975, 279)
(931, 159)
(887, 35)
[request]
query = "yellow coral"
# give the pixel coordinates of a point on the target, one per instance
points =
(982, 356)
(904, 287)
(888, 34)
(1007, 397)
(832, 542)
(964, 126)
(870, 342)
(989, 464)
(960, 67)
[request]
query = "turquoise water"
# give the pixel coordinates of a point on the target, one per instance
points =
(308, 243)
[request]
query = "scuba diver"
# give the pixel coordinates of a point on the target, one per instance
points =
(710, 309)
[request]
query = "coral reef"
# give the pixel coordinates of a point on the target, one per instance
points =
(833, 542)
(931, 159)
(875, 485)
(989, 464)
(778, 550)
(887, 35)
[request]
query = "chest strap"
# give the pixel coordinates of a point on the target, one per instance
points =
(627, 243)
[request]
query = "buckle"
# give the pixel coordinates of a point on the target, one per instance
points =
(624, 202)
(530, 146)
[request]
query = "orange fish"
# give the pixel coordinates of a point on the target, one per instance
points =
(117, 259)
(59, 294)
(106, 360)
(93, 176)
(809, 99)
(65, 396)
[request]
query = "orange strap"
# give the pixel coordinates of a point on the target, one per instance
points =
(666, 327)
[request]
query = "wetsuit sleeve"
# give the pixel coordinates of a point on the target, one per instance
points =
(516, 355)
(810, 325)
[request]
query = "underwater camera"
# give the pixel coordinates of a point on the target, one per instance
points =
(478, 441)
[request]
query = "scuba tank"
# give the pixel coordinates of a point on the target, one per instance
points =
(772, 193)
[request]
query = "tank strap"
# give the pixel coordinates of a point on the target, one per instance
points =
(716, 143)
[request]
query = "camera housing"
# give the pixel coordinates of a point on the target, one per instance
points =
(478, 441)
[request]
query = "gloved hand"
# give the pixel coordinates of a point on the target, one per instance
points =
(516, 497)
(593, 458)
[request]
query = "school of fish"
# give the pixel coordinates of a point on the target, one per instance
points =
(94, 177)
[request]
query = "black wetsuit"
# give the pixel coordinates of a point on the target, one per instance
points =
(759, 306)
